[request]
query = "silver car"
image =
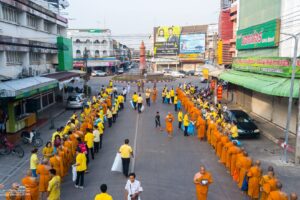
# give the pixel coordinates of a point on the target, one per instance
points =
(75, 101)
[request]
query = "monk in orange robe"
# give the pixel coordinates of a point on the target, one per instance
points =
(62, 155)
(223, 140)
(154, 95)
(108, 102)
(202, 180)
(217, 136)
(57, 164)
(232, 150)
(200, 128)
(267, 184)
(254, 176)
(169, 124)
(224, 151)
(31, 185)
(236, 166)
(43, 171)
(244, 164)
(278, 194)
(14, 193)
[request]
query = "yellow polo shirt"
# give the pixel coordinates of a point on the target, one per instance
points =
(54, 188)
(125, 151)
(89, 139)
(81, 160)
(103, 196)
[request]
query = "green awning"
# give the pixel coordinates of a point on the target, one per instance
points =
(276, 86)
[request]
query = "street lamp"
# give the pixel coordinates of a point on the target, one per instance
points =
(287, 129)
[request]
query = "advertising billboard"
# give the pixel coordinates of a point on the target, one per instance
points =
(167, 40)
(260, 36)
(192, 43)
(278, 66)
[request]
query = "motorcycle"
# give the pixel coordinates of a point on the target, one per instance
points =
(32, 137)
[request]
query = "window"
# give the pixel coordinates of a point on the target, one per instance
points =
(50, 98)
(47, 26)
(60, 30)
(97, 54)
(78, 53)
(77, 41)
(88, 41)
(104, 53)
(49, 58)
(104, 42)
(45, 100)
(34, 58)
(13, 58)
(10, 14)
(97, 42)
(32, 21)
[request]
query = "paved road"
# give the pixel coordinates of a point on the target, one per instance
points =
(164, 166)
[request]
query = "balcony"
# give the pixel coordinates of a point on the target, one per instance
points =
(232, 41)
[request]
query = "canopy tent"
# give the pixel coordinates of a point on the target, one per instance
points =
(276, 86)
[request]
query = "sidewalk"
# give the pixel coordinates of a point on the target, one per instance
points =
(12, 168)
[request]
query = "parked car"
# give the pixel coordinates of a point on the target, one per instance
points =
(190, 73)
(198, 73)
(177, 74)
(120, 71)
(76, 101)
(167, 71)
(98, 73)
(183, 72)
(246, 126)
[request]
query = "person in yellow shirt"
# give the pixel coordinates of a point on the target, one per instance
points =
(126, 152)
(163, 95)
(81, 167)
(180, 118)
(101, 132)
(148, 94)
(234, 131)
(186, 124)
(175, 101)
(134, 100)
(103, 195)
(172, 94)
(121, 101)
(57, 132)
(140, 103)
(109, 117)
(54, 186)
(34, 161)
(89, 139)
(48, 151)
(168, 97)
(114, 113)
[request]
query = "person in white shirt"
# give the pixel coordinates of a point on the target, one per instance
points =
(133, 188)
(124, 93)
(96, 134)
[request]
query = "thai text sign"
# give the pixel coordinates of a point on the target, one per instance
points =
(279, 66)
(259, 36)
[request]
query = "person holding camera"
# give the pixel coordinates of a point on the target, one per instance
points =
(133, 188)
(202, 180)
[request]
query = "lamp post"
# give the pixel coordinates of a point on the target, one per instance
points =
(287, 129)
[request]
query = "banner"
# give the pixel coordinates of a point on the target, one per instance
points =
(259, 36)
(192, 43)
(167, 40)
(279, 66)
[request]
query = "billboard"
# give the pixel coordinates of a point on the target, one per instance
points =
(278, 66)
(259, 36)
(192, 43)
(167, 40)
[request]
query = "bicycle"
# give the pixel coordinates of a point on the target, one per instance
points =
(32, 137)
(7, 148)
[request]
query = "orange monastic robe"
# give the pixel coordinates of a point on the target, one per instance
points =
(278, 195)
(268, 184)
(169, 124)
(254, 175)
(43, 171)
(231, 151)
(57, 164)
(224, 151)
(245, 165)
(223, 140)
(202, 190)
(200, 127)
(154, 95)
(32, 187)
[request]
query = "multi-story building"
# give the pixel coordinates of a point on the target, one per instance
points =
(211, 42)
(97, 49)
(32, 46)
(28, 36)
(234, 18)
(260, 78)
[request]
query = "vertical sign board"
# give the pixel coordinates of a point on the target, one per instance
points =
(65, 54)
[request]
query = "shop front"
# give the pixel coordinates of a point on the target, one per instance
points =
(23, 99)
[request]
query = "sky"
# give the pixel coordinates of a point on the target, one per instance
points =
(133, 20)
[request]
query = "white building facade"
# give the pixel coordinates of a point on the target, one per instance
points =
(28, 34)
(97, 42)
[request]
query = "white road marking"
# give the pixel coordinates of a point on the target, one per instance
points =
(135, 141)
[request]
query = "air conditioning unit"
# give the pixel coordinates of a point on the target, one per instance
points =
(30, 71)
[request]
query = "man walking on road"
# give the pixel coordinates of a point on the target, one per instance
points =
(133, 188)
(81, 167)
(180, 118)
(126, 152)
(103, 195)
(140, 103)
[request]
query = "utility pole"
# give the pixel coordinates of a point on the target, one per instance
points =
(297, 146)
(287, 129)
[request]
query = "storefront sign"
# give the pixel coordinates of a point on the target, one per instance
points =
(259, 36)
(279, 66)
(167, 40)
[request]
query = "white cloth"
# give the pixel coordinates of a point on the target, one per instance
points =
(133, 188)
(96, 134)
(124, 92)
(117, 165)
(128, 88)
